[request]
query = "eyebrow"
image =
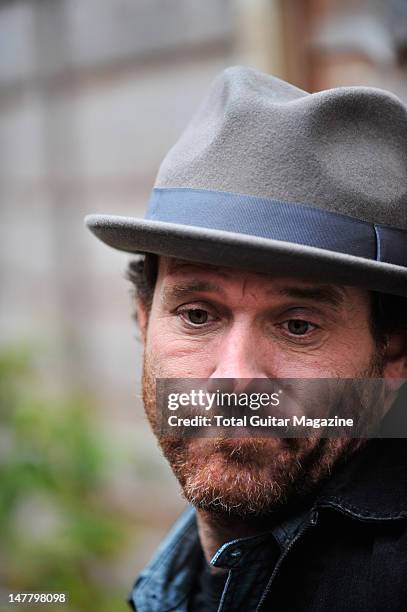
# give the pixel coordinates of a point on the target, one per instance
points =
(327, 294)
(180, 291)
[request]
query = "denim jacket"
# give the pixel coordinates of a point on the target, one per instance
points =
(347, 552)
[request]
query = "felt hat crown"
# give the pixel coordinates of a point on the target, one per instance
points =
(270, 178)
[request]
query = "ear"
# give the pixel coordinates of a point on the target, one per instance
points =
(142, 319)
(395, 357)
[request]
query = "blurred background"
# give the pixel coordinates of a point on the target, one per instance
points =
(92, 95)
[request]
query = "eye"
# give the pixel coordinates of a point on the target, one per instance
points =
(196, 316)
(298, 327)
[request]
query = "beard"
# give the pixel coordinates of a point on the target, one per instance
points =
(248, 478)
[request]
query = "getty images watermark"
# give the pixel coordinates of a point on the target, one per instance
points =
(279, 408)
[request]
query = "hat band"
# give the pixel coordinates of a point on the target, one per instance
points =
(278, 220)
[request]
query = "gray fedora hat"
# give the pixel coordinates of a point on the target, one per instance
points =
(270, 178)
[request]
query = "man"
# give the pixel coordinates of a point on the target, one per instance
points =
(276, 249)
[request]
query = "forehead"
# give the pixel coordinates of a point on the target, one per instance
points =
(208, 277)
(171, 267)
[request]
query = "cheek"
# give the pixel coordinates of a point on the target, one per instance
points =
(353, 352)
(173, 356)
(341, 357)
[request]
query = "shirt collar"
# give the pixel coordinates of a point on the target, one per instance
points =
(167, 580)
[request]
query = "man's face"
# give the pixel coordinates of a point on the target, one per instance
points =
(211, 322)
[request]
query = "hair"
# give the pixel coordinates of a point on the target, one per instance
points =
(388, 312)
(142, 273)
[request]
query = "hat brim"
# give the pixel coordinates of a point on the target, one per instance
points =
(246, 252)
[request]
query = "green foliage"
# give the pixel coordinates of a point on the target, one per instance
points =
(57, 530)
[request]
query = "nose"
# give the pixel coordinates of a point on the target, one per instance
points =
(238, 354)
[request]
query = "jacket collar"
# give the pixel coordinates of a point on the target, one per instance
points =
(372, 485)
(164, 583)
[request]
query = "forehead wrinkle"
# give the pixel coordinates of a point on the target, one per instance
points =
(179, 265)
